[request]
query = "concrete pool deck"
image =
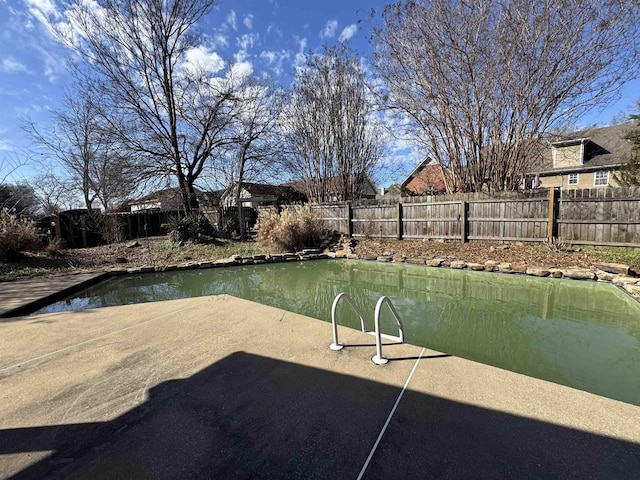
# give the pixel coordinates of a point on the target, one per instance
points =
(219, 387)
(20, 296)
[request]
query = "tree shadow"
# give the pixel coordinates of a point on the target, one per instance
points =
(248, 416)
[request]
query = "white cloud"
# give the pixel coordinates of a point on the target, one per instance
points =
(241, 70)
(300, 58)
(232, 20)
(275, 59)
(247, 40)
(220, 40)
(329, 29)
(248, 21)
(10, 65)
(43, 8)
(348, 32)
(203, 59)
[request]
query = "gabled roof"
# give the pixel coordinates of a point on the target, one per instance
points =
(604, 147)
(172, 195)
(334, 183)
(261, 189)
(425, 163)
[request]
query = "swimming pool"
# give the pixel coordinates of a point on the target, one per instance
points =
(584, 335)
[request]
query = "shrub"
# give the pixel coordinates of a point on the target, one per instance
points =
(111, 229)
(293, 229)
(193, 227)
(17, 235)
(55, 246)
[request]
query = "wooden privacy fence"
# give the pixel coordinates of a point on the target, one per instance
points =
(610, 219)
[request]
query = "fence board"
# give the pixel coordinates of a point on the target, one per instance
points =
(375, 221)
(603, 220)
(590, 217)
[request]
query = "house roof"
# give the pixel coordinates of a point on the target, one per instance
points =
(169, 195)
(159, 196)
(334, 183)
(262, 189)
(604, 147)
(425, 163)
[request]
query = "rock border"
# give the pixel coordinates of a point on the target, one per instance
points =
(619, 275)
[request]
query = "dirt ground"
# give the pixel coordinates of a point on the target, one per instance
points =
(480, 252)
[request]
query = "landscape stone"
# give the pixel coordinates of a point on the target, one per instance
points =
(519, 268)
(226, 262)
(415, 261)
(622, 280)
(618, 268)
(475, 266)
(555, 272)
(633, 289)
(435, 262)
(490, 265)
(538, 271)
(579, 274)
(603, 276)
(384, 258)
(505, 267)
(458, 264)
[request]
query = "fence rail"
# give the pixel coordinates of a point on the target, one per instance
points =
(608, 217)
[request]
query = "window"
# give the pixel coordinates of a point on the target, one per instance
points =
(602, 178)
(573, 179)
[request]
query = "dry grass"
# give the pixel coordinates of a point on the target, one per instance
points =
(291, 230)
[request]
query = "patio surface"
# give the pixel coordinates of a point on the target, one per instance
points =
(218, 387)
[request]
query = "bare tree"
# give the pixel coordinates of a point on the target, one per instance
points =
(256, 137)
(483, 80)
(82, 143)
(54, 193)
(629, 174)
(169, 112)
(333, 139)
(18, 199)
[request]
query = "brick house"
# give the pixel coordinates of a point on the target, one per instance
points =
(426, 179)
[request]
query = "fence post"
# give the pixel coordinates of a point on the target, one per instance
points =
(552, 219)
(464, 221)
(350, 220)
(399, 229)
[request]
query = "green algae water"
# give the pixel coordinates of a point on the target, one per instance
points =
(584, 335)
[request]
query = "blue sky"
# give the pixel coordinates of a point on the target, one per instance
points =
(261, 36)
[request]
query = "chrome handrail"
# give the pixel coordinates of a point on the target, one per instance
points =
(378, 358)
(334, 321)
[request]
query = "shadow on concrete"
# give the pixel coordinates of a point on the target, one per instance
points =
(248, 416)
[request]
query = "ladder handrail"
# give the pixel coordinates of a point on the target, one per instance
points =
(334, 321)
(378, 358)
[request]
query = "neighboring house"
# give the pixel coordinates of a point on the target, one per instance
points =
(169, 199)
(584, 159)
(426, 179)
(334, 187)
(256, 194)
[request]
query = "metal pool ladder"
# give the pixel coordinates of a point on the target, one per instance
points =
(378, 358)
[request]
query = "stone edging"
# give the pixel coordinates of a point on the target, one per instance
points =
(617, 274)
